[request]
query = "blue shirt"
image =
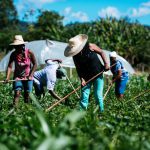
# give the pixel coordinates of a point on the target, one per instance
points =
(119, 66)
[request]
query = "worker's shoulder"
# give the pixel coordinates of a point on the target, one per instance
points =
(30, 51)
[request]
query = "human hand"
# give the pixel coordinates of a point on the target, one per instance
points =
(83, 83)
(106, 67)
(112, 82)
(6, 81)
(30, 77)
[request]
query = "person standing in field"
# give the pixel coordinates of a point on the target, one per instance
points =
(46, 77)
(88, 65)
(25, 65)
(120, 75)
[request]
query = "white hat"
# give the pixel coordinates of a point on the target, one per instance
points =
(113, 54)
(75, 45)
(18, 40)
(50, 62)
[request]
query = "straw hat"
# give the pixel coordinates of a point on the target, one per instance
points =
(18, 40)
(113, 54)
(75, 45)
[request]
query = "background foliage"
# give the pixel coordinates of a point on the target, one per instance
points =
(130, 39)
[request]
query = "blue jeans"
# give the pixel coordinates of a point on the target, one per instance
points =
(120, 85)
(98, 84)
(20, 85)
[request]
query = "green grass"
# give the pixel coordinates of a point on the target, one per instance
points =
(124, 125)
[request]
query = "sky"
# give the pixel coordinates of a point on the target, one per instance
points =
(86, 10)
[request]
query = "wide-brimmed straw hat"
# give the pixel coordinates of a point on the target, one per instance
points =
(75, 45)
(18, 40)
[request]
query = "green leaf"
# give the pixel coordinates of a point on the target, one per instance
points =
(43, 122)
(3, 147)
(53, 143)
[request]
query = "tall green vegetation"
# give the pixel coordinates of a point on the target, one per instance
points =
(130, 40)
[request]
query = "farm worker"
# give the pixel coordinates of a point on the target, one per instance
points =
(88, 65)
(120, 75)
(46, 77)
(23, 58)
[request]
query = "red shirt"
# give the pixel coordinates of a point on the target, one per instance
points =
(22, 64)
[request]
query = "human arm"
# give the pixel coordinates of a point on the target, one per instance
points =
(83, 82)
(33, 60)
(117, 71)
(117, 77)
(95, 48)
(54, 94)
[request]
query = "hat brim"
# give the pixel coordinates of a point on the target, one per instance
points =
(69, 52)
(18, 43)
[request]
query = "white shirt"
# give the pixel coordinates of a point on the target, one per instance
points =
(47, 76)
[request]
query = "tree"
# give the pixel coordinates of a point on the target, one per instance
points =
(8, 13)
(48, 26)
(74, 29)
(8, 23)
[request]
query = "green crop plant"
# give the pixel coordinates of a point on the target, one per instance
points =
(124, 125)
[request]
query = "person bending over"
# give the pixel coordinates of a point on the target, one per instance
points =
(120, 75)
(88, 65)
(46, 77)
